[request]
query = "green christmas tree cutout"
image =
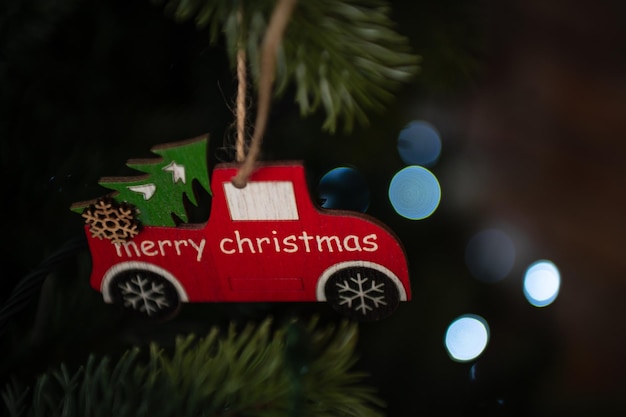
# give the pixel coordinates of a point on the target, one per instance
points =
(158, 195)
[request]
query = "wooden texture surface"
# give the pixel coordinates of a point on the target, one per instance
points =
(265, 242)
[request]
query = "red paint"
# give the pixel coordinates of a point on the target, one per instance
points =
(271, 260)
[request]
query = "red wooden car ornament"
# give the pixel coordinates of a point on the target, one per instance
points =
(264, 242)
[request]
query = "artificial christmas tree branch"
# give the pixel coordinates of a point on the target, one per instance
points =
(23, 293)
(341, 55)
(299, 369)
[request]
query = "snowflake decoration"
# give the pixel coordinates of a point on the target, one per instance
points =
(143, 295)
(356, 294)
(110, 220)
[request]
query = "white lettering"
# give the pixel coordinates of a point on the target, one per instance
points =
(159, 247)
(276, 243)
(223, 248)
(328, 240)
(241, 241)
(127, 245)
(147, 248)
(162, 244)
(177, 244)
(369, 244)
(305, 238)
(290, 241)
(303, 241)
(243, 244)
(260, 240)
(198, 248)
(355, 247)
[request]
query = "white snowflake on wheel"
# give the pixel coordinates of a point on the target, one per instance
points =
(143, 295)
(360, 295)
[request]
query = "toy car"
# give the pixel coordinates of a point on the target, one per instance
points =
(264, 242)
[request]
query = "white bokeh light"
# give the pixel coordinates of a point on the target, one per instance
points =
(541, 283)
(467, 337)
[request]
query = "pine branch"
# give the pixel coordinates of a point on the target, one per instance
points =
(298, 369)
(21, 296)
(341, 55)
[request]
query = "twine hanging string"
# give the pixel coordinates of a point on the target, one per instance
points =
(273, 37)
(240, 144)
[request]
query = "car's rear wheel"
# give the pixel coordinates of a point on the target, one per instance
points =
(362, 293)
(145, 293)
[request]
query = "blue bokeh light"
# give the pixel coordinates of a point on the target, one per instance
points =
(414, 192)
(345, 189)
(490, 255)
(542, 282)
(467, 337)
(419, 143)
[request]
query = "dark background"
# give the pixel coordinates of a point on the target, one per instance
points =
(528, 97)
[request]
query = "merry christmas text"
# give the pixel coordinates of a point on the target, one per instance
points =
(160, 248)
(239, 244)
(297, 242)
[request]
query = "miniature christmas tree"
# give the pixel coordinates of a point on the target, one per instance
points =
(158, 196)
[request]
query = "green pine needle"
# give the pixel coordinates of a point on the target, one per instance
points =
(341, 55)
(297, 369)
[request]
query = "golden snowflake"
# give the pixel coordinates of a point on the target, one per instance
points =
(111, 220)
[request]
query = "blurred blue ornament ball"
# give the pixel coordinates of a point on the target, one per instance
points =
(419, 143)
(414, 193)
(490, 255)
(345, 189)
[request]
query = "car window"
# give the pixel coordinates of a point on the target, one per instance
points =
(262, 200)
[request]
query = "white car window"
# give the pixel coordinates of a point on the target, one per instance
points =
(262, 200)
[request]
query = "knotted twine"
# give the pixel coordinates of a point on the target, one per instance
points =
(271, 42)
